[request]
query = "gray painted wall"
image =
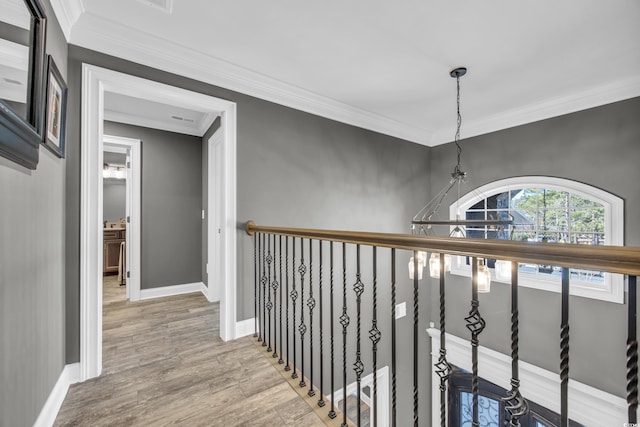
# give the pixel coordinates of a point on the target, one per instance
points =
(114, 200)
(32, 273)
(171, 203)
(599, 147)
(294, 169)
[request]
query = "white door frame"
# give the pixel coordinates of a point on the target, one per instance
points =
(95, 82)
(132, 148)
(216, 207)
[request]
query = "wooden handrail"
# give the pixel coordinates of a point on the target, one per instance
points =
(613, 259)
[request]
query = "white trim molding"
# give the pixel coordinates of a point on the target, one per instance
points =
(70, 375)
(95, 82)
(94, 32)
(68, 12)
(112, 38)
(587, 405)
(171, 290)
(245, 327)
(613, 288)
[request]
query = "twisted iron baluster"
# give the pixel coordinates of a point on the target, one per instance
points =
(632, 352)
(564, 351)
(415, 339)
(260, 296)
(255, 285)
(321, 399)
(332, 412)
(269, 303)
(302, 328)
(311, 303)
(280, 361)
(515, 405)
(374, 336)
(443, 368)
(393, 339)
(344, 321)
(475, 324)
(358, 366)
(274, 286)
(264, 295)
(294, 297)
(286, 275)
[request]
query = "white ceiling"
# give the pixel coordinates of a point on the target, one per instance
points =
(384, 65)
(143, 112)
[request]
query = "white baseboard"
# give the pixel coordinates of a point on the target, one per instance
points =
(69, 375)
(167, 291)
(245, 327)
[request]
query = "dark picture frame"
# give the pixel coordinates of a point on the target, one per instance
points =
(56, 112)
(20, 136)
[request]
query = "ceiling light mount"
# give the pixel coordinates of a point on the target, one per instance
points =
(458, 72)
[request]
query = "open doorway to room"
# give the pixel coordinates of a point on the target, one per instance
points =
(99, 83)
(114, 218)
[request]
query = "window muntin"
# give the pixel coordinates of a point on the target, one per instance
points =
(551, 210)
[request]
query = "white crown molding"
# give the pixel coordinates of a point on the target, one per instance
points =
(199, 128)
(109, 37)
(593, 97)
(106, 36)
(68, 12)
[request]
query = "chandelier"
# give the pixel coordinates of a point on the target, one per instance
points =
(426, 218)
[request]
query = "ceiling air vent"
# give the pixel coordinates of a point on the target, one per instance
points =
(163, 5)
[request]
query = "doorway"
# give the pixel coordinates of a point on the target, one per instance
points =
(96, 82)
(129, 181)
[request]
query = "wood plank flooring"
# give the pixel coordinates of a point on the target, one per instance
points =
(164, 364)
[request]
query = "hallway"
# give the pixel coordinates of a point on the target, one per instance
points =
(164, 364)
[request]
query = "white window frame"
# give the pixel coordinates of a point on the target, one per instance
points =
(613, 288)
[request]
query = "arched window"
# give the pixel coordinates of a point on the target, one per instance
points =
(546, 209)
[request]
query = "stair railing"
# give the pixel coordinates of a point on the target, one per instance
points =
(268, 293)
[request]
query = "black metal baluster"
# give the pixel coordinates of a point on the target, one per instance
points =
(374, 336)
(344, 321)
(302, 328)
(443, 368)
(260, 297)
(515, 405)
(286, 275)
(394, 396)
(332, 412)
(632, 352)
(255, 285)
(564, 351)
(321, 399)
(264, 290)
(358, 366)
(274, 286)
(415, 339)
(311, 303)
(475, 324)
(269, 303)
(280, 361)
(294, 297)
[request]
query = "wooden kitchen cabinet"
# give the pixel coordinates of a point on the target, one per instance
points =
(113, 237)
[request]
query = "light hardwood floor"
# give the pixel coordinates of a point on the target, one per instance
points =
(164, 364)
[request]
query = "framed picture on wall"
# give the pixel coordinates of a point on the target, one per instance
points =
(56, 110)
